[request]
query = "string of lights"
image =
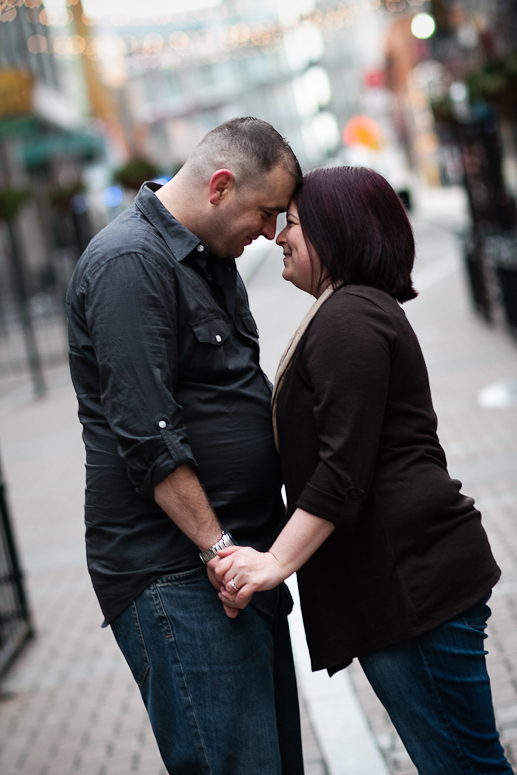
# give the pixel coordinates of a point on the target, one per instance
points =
(205, 44)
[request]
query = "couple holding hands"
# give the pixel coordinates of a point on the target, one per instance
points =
(393, 564)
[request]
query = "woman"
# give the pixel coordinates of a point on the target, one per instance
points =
(393, 564)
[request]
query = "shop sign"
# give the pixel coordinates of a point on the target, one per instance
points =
(16, 88)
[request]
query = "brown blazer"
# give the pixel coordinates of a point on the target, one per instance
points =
(358, 444)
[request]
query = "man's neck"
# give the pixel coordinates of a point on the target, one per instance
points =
(177, 197)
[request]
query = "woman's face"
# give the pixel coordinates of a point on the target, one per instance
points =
(298, 267)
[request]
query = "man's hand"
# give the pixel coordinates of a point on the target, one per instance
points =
(230, 609)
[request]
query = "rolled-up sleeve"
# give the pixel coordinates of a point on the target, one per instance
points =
(347, 357)
(130, 309)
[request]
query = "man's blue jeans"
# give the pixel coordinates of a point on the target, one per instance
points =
(436, 690)
(220, 693)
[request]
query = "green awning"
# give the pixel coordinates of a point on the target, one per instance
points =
(14, 126)
(39, 151)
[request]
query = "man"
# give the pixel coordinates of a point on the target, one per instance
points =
(176, 421)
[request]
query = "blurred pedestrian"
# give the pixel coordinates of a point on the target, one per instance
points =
(179, 452)
(394, 566)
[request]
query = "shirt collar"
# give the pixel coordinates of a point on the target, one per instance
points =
(179, 239)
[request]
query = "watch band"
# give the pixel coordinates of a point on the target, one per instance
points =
(225, 540)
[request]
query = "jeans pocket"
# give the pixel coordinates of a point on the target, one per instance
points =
(128, 634)
(183, 575)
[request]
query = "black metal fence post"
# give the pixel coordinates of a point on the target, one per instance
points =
(15, 619)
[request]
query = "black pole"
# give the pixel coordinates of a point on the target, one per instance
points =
(31, 346)
(13, 563)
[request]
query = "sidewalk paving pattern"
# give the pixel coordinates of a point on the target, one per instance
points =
(69, 704)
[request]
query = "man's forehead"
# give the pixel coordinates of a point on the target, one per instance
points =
(277, 190)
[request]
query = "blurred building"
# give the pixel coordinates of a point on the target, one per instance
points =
(45, 146)
(298, 65)
(453, 71)
(43, 143)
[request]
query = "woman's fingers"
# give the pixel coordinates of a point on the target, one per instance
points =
(220, 565)
(241, 566)
(228, 550)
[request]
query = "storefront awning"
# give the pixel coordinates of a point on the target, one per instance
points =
(40, 150)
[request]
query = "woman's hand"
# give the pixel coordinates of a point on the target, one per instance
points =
(230, 609)
(243, 571)
(247, 570)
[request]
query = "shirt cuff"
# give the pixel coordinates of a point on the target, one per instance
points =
(178, 454)
(342, 511)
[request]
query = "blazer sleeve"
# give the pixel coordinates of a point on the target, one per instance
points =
(348, 354)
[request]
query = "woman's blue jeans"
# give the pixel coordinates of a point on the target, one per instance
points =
(436, 690)
(220, 693)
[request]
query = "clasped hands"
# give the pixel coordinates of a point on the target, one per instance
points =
(249, 570)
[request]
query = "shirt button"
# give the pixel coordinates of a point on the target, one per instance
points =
(218, 338)
(200, 248)
(162, 424)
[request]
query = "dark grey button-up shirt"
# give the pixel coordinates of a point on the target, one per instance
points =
(164, 359)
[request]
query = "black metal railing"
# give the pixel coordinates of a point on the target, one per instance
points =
(491, 264)
(15, 619)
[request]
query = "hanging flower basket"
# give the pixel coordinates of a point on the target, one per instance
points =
(134, 173)
(61, 196)
(496, 83)
(12, 201)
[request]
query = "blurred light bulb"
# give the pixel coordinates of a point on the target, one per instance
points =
(458, 91)
(423, 26)
(112, 196)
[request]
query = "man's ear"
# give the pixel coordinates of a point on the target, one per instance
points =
(221, 183)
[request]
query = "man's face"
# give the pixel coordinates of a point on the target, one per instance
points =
(251, 212)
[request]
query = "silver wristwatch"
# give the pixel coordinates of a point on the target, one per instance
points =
(225, 540)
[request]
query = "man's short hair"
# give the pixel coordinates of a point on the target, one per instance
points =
(248, 147)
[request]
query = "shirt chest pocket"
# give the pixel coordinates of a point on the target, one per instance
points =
(213, 332)
(209, 351)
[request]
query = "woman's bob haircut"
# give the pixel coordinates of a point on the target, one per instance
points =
(356, 225)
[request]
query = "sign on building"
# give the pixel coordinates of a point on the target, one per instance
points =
(16, 89)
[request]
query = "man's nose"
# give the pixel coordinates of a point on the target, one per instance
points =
(269, 228)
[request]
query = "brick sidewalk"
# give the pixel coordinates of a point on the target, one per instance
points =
(463, 355)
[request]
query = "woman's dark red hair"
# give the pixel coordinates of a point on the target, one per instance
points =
(357, 226)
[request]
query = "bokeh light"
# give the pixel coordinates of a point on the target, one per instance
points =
(362, 131)
(423, 26)
(112, 196)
